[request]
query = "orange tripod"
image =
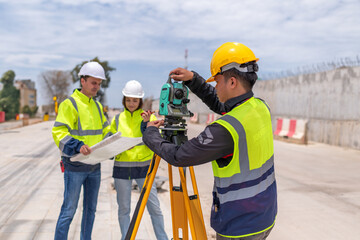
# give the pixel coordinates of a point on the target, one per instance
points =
(185, 209)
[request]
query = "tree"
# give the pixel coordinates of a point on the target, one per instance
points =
(9, 96)
(55, 83)
(28, 110)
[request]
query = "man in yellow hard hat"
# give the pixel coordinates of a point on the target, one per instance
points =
(239, 145)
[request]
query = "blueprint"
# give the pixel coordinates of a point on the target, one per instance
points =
(107, 149)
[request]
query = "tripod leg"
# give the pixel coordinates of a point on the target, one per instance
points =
(196, 192)
(193, 208)
(144, 195)
(178, 210)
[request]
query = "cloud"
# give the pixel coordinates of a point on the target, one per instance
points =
(30, 60)
(40, 35)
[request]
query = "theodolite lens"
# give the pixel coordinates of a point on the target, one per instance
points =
(179, 94)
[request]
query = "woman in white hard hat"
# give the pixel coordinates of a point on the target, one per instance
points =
(133, 164)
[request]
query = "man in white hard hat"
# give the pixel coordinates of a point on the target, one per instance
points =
(80, 124)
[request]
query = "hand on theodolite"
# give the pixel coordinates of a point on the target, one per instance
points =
(181, 74)
(146, 117)
(156, 123)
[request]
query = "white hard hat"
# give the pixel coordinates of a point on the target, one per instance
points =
(133, 89)
(93, 69)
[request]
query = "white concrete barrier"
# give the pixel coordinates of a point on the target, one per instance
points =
(291, 129)
(211, 118)
(298, 130)
(285, 127)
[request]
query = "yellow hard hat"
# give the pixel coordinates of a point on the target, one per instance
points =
(230, 53)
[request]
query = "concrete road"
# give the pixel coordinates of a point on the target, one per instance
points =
(318, 187)
(31, 190)
(318, 192)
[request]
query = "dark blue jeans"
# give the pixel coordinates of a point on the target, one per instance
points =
(73, 182)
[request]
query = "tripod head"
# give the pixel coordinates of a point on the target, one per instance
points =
(174, 130)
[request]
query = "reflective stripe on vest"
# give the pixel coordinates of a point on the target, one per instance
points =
(117, 121)
(242, 183)
(132, 164)
(117, 116)
(79, 131)
(129, 125)
(63, 142)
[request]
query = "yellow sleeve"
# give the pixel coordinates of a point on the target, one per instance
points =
(113, 128)
(105, 122)
(66, 119)
(152, 118)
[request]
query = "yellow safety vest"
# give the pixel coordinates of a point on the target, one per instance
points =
(82, 118)
(245, 189)
(129, 125)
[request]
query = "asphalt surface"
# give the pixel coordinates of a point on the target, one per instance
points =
(318, 190)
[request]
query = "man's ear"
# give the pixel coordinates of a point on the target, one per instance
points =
(233, 82)
(82, 80)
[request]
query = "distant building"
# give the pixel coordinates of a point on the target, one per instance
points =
(27, 92)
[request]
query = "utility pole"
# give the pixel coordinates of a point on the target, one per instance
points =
(186, 56)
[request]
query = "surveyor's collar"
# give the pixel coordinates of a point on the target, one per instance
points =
(235, 101)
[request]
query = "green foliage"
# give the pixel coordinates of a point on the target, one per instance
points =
(104, 64)
(9, 96)
(34, 110)
(26, 109)
(8, 79)
(31, 111)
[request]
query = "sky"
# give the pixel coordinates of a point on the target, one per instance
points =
(144, 40)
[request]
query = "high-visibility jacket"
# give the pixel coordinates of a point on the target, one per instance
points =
(129, 124)
(245, 199)
(80, 121)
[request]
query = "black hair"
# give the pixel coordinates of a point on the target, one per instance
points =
(247, 79)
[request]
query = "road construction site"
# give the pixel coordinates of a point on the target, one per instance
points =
(318, 190)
